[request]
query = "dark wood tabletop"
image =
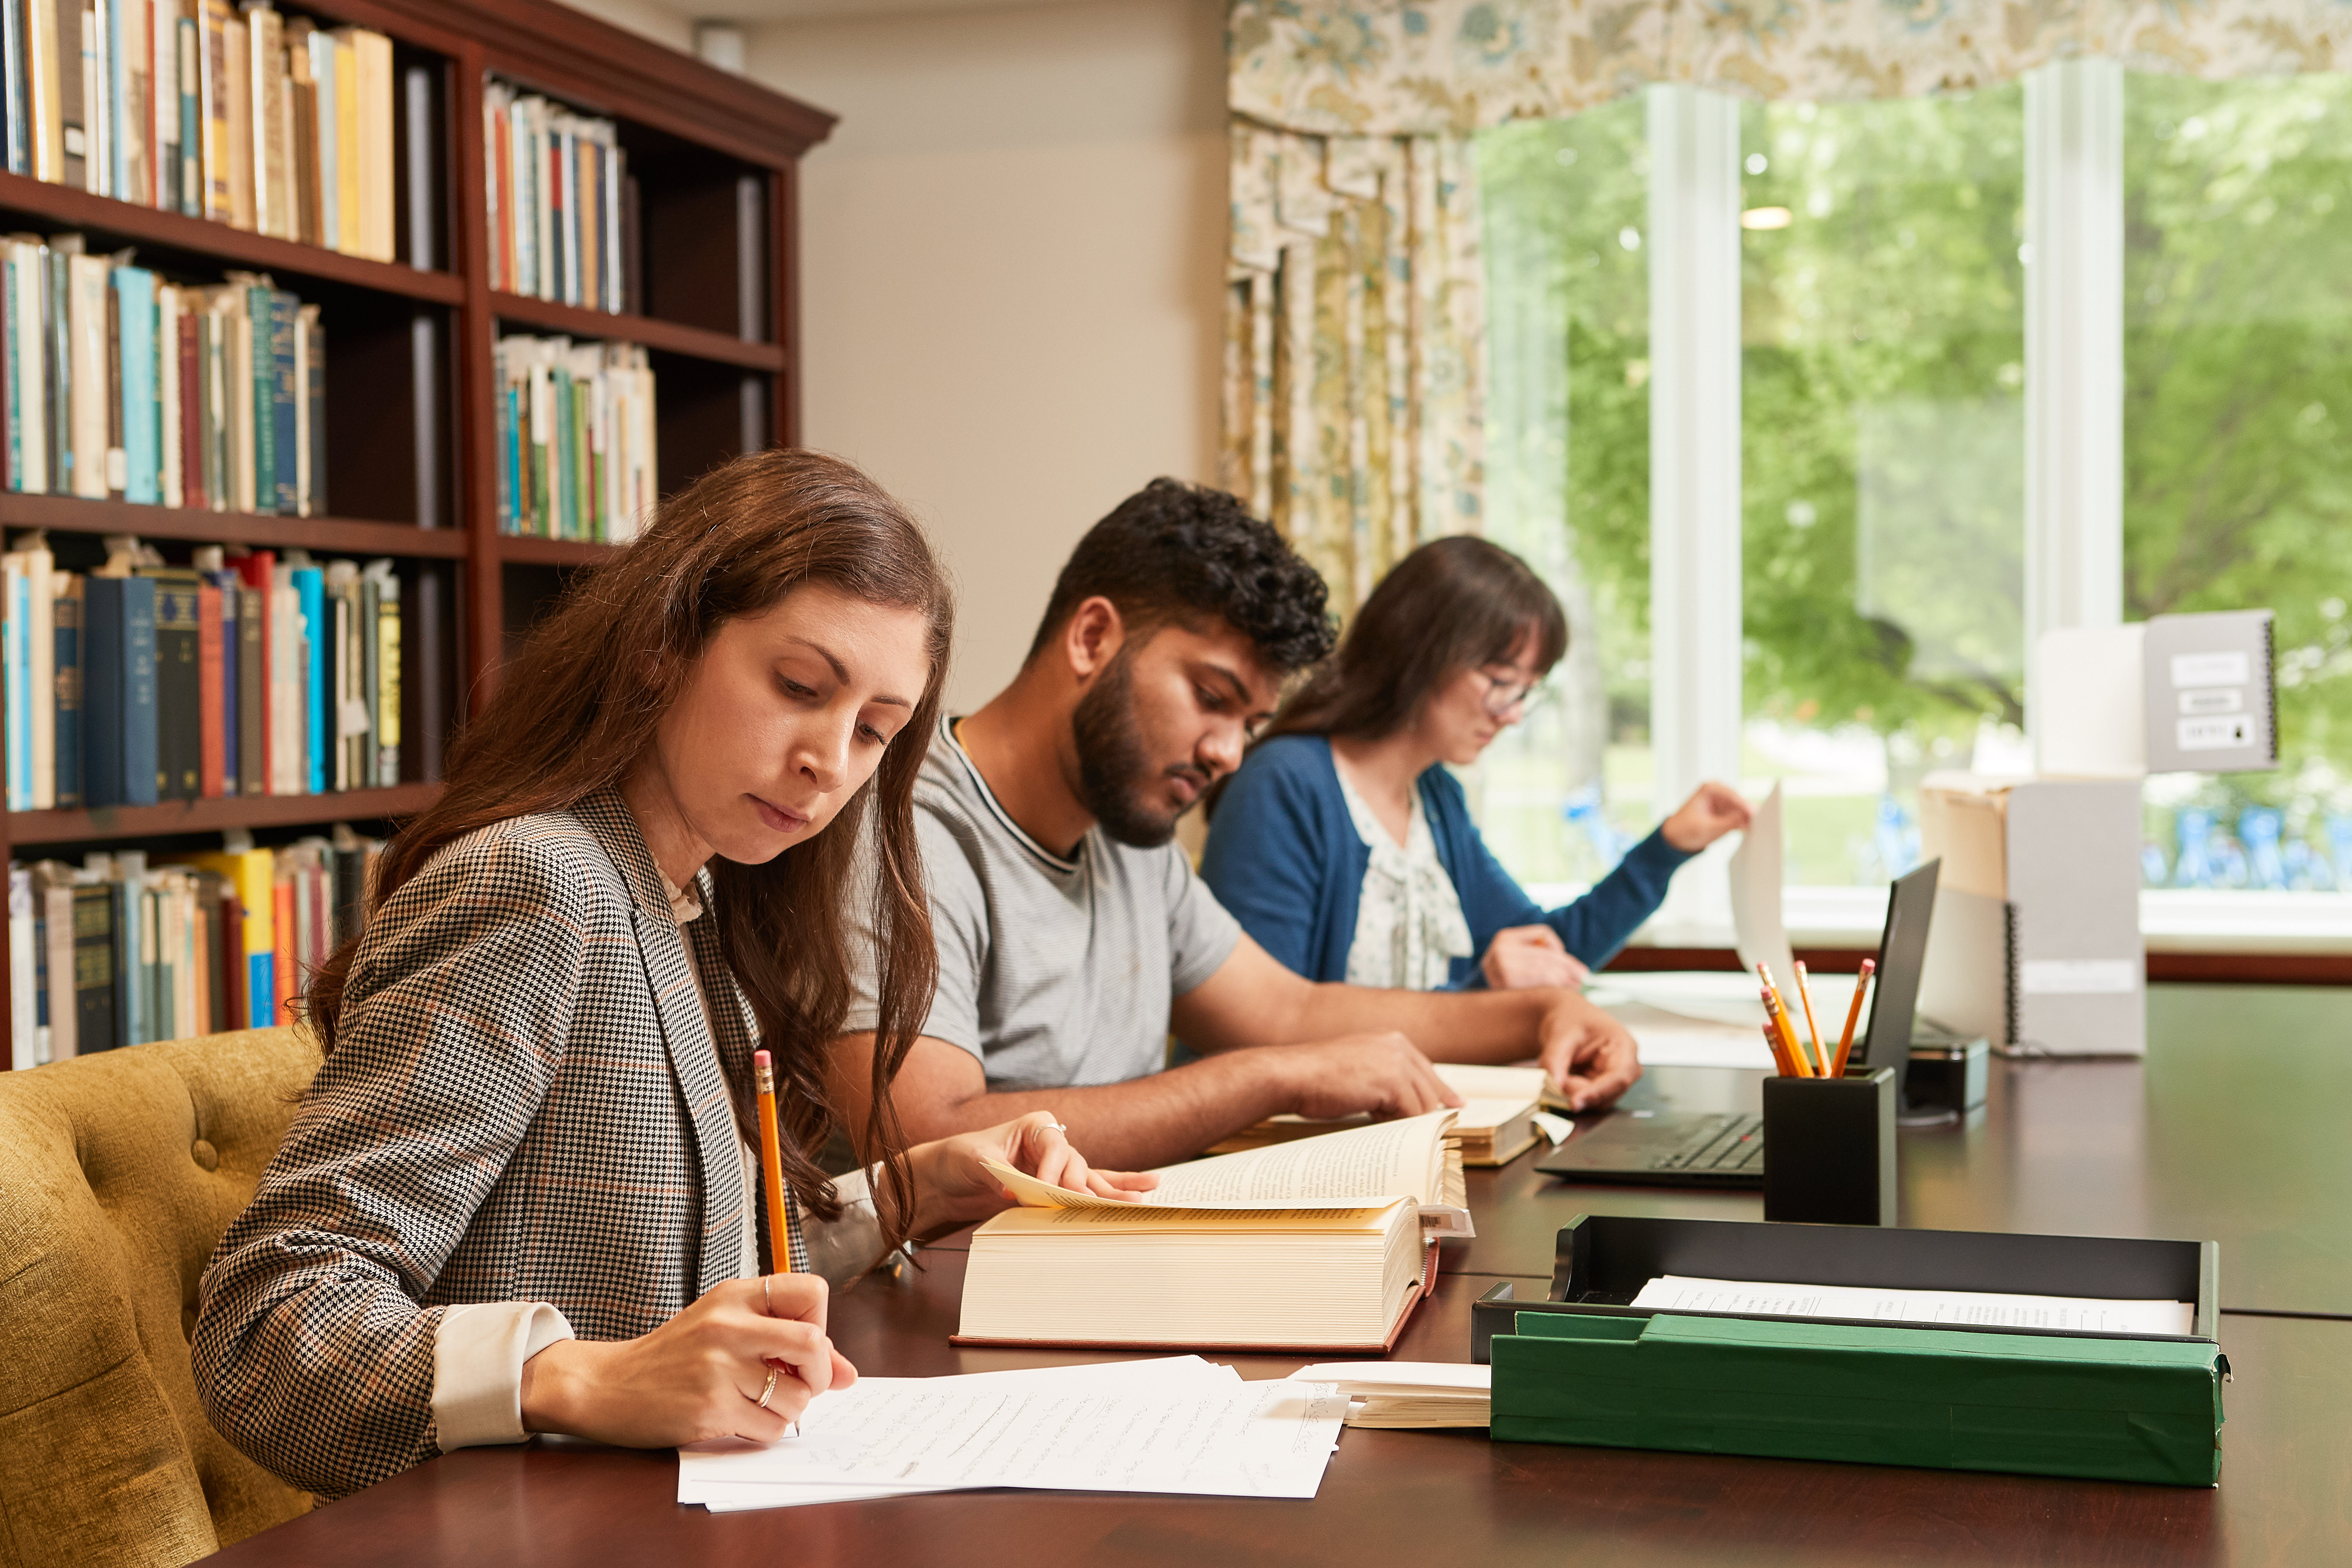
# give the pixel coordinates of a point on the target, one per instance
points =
(2228, 1130)
(1393, 1497)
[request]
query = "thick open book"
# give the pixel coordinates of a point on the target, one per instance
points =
(1316, 1244)
(1495, 1126)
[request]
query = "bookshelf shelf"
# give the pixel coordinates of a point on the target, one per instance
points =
(411, 383)
(669, 337)
(105, 218)
(343, 536)
(134, 822)
(523, 549)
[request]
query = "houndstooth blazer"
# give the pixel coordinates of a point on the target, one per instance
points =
(524, 1103)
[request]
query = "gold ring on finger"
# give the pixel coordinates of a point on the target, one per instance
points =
(769, 1392)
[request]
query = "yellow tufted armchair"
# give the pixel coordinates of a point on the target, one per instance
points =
(117, 1174)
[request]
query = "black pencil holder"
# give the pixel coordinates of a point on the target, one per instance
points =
(1829, 1148)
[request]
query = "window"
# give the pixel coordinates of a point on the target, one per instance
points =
(1564, 794)
(1883, 461)
(2237, 416)
(1887, 540)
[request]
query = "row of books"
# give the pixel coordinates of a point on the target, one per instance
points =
(575, 438)
(560, 202)
(238, 114)
(241, 674)
(119, 384)
(115, 952)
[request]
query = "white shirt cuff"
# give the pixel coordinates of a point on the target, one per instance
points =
(477, 1356)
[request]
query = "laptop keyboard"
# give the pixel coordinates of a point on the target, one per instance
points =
(1720, 1143)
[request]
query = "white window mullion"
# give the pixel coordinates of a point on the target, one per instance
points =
(2074, 351)
(1695, 581)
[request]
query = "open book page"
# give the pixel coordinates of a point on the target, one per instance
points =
(1033, 1221)
(1980, 1309)
(1363, 1167)
(1522, 1086)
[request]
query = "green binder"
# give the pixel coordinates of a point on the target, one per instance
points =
(2100, 1407)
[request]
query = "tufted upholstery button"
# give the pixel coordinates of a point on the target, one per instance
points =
(206, 1155)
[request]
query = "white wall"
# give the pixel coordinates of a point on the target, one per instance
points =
(1013, 260)
(654, 21)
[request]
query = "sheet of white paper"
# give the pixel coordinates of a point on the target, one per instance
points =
(695, 1468)
(1756, 922)
(1353, 1377)
(1263, 1439)
(1554, 1128)
(1363, 1167)
(1976, 1308)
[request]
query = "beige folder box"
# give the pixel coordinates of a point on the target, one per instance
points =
(2036, 939)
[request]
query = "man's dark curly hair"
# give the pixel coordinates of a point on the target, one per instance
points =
(1181, 554)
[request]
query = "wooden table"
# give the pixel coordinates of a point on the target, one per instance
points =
(1394, 1497)
(2228, 1130)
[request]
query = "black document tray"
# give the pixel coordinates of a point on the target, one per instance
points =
(1601, 1261)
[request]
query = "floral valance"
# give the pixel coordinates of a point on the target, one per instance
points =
(1403, 68)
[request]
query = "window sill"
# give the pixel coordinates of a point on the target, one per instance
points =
(2172, 920)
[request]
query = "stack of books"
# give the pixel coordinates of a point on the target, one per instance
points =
(238, 114)
(562, 207)
(237, 675)
(575, 438)
(116, 952)
(120, 385)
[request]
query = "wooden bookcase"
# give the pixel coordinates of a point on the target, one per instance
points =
(411, 368)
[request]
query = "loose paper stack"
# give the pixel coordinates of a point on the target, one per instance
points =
(1174, 1426)
(1406, 1394)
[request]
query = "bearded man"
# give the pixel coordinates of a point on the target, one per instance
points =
(1074, 935)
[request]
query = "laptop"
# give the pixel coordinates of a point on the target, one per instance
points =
(1696, 1149)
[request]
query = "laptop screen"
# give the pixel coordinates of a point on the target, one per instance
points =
(1902, 953)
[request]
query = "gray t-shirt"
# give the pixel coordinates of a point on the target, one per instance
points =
(1055, 973)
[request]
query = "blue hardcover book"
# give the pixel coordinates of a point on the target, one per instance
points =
(119, 691)
(284, 386)
(192, 183)
(12, 59)
(309, 589)
(228, 583)
(69, 605)
(142, 434)
(261, 995)
(262, 398)
(19, 687)
(115, 55)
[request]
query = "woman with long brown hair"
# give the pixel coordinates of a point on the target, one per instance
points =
(1344, 847)
(519, 1196)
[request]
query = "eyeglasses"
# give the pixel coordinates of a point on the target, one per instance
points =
(1503, 694)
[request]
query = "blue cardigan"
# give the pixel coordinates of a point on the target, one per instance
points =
(1286, 858)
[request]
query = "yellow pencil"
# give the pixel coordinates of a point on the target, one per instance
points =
(1805, 997)
(1779, 1052)
(1777, 1012)
(772, 1166)
(1853, 1014)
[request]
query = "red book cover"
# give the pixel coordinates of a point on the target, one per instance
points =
(212, 708)
(504, 238)
(256, 567)
(235, 971)
(287, 955)
(193, 494)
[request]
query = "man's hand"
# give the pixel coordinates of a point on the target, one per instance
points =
(1712, 811)
(1588, 1054)
(1382, 1074)
(952, 1188)
(1521, 957)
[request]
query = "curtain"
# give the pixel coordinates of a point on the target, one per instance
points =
(1354, 377)
(1353, 384)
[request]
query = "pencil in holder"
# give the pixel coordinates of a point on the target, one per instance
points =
(1829, 1148)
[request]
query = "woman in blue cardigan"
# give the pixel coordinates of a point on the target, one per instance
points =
(1347, 850)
